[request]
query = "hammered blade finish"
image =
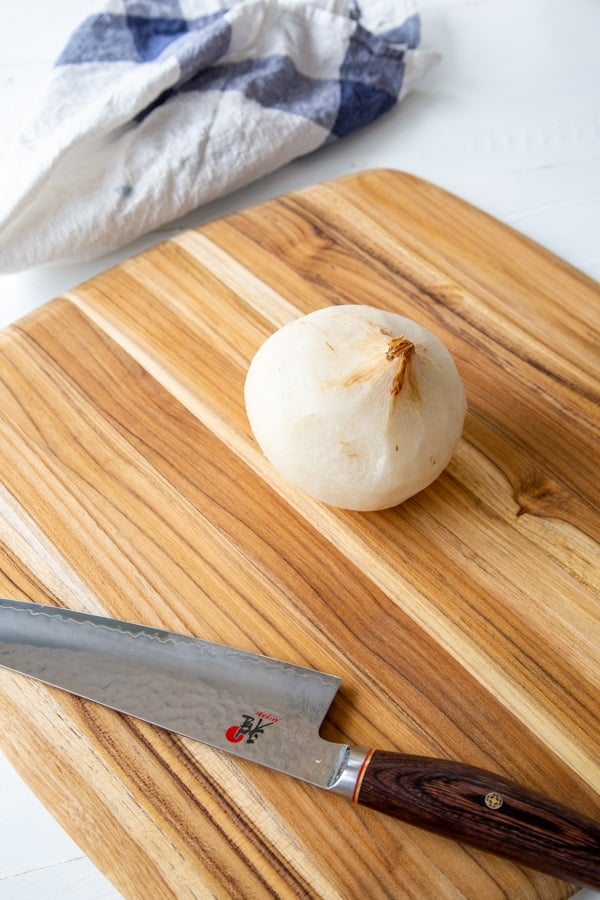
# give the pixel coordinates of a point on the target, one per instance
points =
(253, 706)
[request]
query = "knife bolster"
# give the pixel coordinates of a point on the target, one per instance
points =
(348, 778)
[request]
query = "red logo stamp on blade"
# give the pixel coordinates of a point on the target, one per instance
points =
(233, 734)
(251, 728)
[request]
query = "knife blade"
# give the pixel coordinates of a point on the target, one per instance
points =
(269, 711)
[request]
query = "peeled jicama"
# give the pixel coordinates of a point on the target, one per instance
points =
(359, 407)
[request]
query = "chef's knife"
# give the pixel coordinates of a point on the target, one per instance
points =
(270, 712)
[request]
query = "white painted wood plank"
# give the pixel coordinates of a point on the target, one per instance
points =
(72, 880)
(38, 860)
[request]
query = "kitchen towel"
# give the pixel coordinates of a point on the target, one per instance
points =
(158, 106)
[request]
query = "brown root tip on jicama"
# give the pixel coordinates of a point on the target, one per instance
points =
(399, 348)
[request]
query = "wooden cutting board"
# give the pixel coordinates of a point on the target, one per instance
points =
(464, 623)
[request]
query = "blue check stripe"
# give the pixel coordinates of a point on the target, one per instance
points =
(369, 82)
(119, 38)
(274, 83)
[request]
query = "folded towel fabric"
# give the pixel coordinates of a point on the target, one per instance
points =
(158, 106)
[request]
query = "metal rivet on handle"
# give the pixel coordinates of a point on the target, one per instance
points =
(494, 800)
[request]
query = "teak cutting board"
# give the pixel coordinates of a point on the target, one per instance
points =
(464, 623)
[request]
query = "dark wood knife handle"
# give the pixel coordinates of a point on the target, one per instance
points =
(485, 810)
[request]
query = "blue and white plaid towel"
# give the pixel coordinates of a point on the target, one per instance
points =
(158, 106)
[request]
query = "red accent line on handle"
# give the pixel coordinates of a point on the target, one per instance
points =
(361, 775)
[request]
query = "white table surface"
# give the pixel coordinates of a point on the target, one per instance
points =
(510, 121)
